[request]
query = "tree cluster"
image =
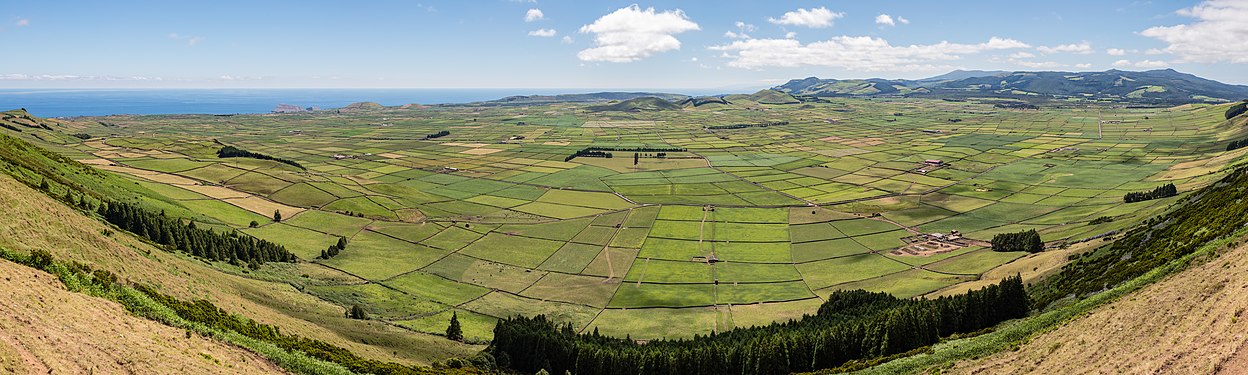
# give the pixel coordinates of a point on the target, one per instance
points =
(589, 154)
(357, 312)
(203, 243)
(438, 135)
(1236, 110)
(334, 249)
(1028, 241)
(1163, 191)
(235, 152)
(850, 325)
(636, 149)
(1235, 145)
(743, 126)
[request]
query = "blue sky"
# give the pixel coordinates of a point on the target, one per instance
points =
(600, 44)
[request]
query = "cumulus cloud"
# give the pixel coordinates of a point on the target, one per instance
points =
(888, 20)
(1216, 35)
(1083, 66)
(1022, 55)
(1082, 48)
(545, 33)
(534, 15)
(631, 34)
(1116, 51)
(566, 40)
(860, 53)
(22, 22)
(1143, 64)
(814, 18)
(742, 29)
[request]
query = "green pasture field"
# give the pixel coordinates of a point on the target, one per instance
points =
(489, 225)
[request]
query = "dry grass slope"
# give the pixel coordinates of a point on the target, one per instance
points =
(1190, 323)
(45, 327)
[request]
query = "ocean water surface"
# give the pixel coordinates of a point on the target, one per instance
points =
(102, 102)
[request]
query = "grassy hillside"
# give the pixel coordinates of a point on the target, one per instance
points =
(38, 222)
(643, 104)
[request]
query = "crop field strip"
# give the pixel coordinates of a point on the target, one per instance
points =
(488, 224)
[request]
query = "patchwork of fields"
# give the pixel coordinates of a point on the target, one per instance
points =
(741, 227)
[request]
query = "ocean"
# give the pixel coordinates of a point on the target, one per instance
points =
(102, 102)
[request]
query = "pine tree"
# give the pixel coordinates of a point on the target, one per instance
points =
(277, 216)
(453, 331)
(342, 243)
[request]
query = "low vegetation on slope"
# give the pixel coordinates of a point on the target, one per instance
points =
(643, 104)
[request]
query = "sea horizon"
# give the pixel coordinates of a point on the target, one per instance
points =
(75, 102)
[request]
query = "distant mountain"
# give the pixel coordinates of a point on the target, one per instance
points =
(812, 86)
(642, 104)
(962, 74)
(1165, 86)
(766, 97)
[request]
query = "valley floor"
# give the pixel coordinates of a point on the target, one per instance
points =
(1190, 323)
(43, 326)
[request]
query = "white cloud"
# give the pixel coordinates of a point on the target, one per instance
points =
(23, 22)
(1143, 64)
(71, 77)
(1083, 66)
(534, 15)
(1038, 64)
(631, 34)
(885, 19)
(1217, 34)
(1022, 55)
(1153, 51)
(790, 35)
(742, 29)
(545, 33)
(1116, 51)
(860, 53)
(1082, 48)
(190, 40)
(566, 40)
(815, 18)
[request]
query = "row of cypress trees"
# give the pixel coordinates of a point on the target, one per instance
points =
(204, 243)
(850, 325)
